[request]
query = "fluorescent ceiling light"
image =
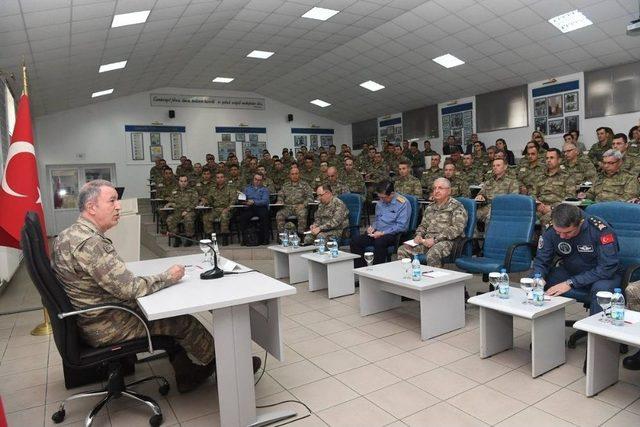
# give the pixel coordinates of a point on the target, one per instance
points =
(130, 18)
(261, 54)
(113, 66)
(371, 85)
(320, 13)
(320, 103)
(102, 93)
(222, 80)
(570, 21)
(448, 61)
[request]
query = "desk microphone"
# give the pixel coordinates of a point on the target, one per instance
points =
(216, 272)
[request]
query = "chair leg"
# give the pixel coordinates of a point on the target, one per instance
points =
(156, 419)
(91, 415)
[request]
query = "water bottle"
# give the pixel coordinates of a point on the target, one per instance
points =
(538, 290)
(503, 284)
(295, 240)
(334, 248)
(416, 269)
(617, 307)
(285, 239)
(214, 243)
(321, 248)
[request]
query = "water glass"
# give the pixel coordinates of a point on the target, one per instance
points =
(284, 239)
(406, 268)
(205, 247)
(494, 279)
(332, 247)
(368, 257)
(604, 301)
(526, 284)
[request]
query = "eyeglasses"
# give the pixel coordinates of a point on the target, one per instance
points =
(610, 163)
(321, 194)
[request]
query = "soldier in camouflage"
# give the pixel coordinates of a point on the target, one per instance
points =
(308, 173)
(295, 195)
(459, 187)
(196, 175)
(442, 223)
(279, 175)
(405, 182)
(578, 167)
(250, 171)
(234, 179)
(92, 273)
(597, 149)
(430, 175)
(471, 172)
(613, 184)
(183, 200)
(527, 173)
(378, 169)
(416, 158)
(337, 184)
(183, 166)
(204, 185)
(630, 164)
(331, 219)
(498, 183)
(165, 187)
(220, 198)
(155, 174)
(551, 187)
(352, 178)
(266, 181)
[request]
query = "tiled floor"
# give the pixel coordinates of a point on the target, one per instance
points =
(351, 371)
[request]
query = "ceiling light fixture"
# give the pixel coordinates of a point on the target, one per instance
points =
(448, 61)
(320, 13)
(130, 18)
(320, 103)
(223, 80)
(570, 21)
(113, 66)
(372, 86)
(260, 54)
(102, 93)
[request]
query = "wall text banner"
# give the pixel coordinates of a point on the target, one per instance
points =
(205, 101)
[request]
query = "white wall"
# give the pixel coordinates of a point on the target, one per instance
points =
(96, 131)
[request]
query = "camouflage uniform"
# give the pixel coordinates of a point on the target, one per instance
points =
(338, 187)
(408, 185)
(183, 200)
(235, 184)
(428, 176)
(493, 187)
(271, 186)
(220, 201)
(378, 172)
(279, 177)
(580, 171)
(552, 190)
(632, 293)
(528, 175)
(308, 176)
(630, 164)
(472, 175)
(203, 188)
(596, 151)
(621, 186)
(332, 218)
(92, 273)
(443, 223)
(165, 188)
(354, 181)
(155, 173)
(459, 187)
(295, 197)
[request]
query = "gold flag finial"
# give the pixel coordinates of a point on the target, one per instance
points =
(25, 83)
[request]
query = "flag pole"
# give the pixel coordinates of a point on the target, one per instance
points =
(43, 328)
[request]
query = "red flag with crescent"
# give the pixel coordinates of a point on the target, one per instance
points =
(20, 192)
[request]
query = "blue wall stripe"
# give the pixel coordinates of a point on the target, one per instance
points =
(560, 87)
(240, 130)
(457, 108)
(137, 128)
(313, 131)
(389, 122)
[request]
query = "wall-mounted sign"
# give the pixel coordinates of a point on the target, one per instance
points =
(206, 101)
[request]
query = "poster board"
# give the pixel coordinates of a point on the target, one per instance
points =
(166, 142)
(312, 138)
(390, 128)
(556, 108)
(229, 138)
(457, 121)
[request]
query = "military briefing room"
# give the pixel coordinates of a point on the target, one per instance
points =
(320, 212)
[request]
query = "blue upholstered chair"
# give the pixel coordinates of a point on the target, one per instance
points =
(409, 232)
(354, 204)
(507, 241)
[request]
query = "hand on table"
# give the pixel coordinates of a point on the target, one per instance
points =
(176, 272)
(558, 289)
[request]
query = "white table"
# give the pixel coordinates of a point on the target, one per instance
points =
(244, 307)
(288, 262)
(603, 348)
(547, 327)
(334, 274)
(441, 298)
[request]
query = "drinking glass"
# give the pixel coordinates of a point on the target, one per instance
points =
(205, 247)
(526, 284)
(406, 267)
(284, 241)
(604, 301)
(331, 245)
(368, 257)
(494, 278)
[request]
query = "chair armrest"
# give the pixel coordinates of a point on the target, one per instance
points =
(628, 273)
(461, 243)
(509, 255)
(114, 307)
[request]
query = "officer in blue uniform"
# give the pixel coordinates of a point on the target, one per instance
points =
(392, 217)
(588, 250)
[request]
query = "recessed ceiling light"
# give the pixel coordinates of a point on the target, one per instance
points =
(371, 85)
(102, 93)
(320, 103)
(570, 21)
(320, 13)
(261, 54)
(113, 66)
(448, 61)
(130, 18)
(222, 80)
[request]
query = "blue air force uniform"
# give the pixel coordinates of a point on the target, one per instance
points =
(589, 261)
(391, 218)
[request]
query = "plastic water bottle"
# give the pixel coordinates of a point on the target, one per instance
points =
(617, 307)
(285, 239)
(416, 269)
(334, 248)
(295, 241)
(321, 247)
(503, 284)
(538, 290)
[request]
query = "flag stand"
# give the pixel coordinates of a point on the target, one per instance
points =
(43, 328)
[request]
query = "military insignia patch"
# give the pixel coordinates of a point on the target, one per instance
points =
(540, 242)
(564, 248)
(605, 239)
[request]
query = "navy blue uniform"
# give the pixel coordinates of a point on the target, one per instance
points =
(590, 260)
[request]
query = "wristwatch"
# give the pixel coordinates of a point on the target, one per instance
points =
(570, 283)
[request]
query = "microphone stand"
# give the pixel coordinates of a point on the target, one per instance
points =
(216, 272)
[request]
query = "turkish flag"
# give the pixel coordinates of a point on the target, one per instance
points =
(20, 192)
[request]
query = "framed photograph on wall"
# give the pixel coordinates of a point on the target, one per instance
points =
(154, 137)
(554, 106)
(226, 137)
(556, 126)
(137, 146)
(253, 137)
(156, 152)
(571, 102)
(540, 107)
(176, 145)
(240, 137)
(313, 142)
(299, 141)
(540, 123)
(571, 123)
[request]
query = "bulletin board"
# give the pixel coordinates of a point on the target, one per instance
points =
(312, 138)
(144, 143)
(556, 108)
(229, 138)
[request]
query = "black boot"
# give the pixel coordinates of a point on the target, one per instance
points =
(176, 242)
(188, 374)
(632, 362)
(256, 363)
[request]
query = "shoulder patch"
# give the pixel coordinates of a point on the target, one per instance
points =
(597, 222)
(401, 199)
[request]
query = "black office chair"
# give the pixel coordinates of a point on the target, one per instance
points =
(75, 353)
